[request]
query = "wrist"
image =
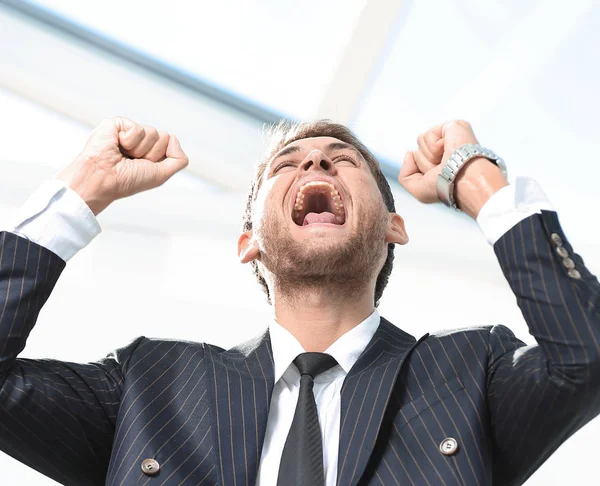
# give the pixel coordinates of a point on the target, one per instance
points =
(479, 180)
(83, 180)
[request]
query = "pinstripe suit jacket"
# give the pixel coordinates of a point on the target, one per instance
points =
(201, 411)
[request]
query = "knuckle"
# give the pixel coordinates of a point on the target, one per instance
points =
(431, 141)
(151, 132)
(113, 119)
(458, 124)
(137, 129)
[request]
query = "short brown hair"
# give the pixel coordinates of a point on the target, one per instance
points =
(282, 134)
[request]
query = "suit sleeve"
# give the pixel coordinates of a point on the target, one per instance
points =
(538, 396)
(56, 417)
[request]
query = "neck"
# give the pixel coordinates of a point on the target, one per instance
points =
(317, 318)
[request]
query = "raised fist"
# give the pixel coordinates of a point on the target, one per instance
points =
(122, 158)
(474, 184)
(422, 166)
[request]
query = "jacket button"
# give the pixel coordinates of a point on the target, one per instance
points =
(574, 273)
(556, 239)
(448, 446)
(150, 467)
(568, 263)
(562, 251)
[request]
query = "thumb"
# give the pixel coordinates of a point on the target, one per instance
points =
(175, 161)
(456, 133)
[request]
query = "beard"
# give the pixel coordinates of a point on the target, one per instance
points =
(341, 267)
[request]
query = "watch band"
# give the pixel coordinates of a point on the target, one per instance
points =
(446, 178)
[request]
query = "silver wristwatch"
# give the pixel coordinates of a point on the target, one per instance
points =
(446, 179)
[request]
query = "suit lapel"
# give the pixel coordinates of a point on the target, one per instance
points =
(240, 403)
(241, 383)
(365, 396)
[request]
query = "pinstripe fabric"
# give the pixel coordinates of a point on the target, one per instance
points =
(240, 385)
(201, 411)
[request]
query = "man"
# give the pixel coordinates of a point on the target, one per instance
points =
(331, 393)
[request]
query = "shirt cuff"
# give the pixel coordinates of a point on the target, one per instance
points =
(56, 218)
(510, 205)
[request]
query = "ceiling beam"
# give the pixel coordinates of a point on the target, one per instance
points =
(359, 64)
(87, 84)
(84, 35)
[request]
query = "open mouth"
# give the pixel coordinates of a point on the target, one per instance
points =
(318, 202)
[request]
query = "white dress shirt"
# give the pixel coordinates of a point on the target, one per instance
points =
(55, 217)
(328, 384)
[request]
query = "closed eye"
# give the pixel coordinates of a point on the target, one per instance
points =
(282, 165)
(345, 158)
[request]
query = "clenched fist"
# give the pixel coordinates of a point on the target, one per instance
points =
(122, 158)
(475, 183)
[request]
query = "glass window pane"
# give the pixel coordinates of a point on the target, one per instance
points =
(438, 49)
(278, 54)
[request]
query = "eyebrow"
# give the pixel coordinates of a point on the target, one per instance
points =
(332, 146)
(340, 146)
(287, 151)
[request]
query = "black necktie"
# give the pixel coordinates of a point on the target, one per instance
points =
(302, 457)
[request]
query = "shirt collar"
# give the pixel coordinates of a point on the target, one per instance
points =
(345, 350)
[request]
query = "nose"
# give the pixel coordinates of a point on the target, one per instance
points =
(317, 160)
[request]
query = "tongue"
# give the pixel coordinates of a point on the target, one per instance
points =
(325, 217)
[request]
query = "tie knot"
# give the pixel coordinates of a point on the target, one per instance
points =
(314, 363)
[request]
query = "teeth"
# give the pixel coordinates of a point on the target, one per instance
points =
(318, 183)
(335, 195)
(337, 203)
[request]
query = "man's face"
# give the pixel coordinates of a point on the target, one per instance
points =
(319, 214)
(314, 186)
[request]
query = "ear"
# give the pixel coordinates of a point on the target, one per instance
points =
(396, 233)
(247, 247)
